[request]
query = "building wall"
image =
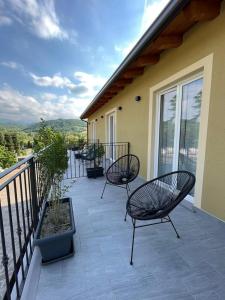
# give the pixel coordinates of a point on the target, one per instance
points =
(132, 121)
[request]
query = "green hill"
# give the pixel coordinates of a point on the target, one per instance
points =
(63, 125)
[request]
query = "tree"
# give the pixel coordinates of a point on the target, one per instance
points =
(2, 139)
(7, 158)
(197, 105)
(9, 142)
(16, 145)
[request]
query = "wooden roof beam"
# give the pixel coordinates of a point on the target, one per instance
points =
(123, 81)
(109, 93)
(115, 88)
(164, 42)
(146, 60)
(202, 10)
(132, 73)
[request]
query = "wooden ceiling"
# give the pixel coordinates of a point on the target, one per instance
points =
(170, 37)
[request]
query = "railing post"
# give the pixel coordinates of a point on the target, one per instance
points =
(33, 186)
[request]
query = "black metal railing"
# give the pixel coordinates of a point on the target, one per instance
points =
(22, 191)
(92, 154)
(23, 188)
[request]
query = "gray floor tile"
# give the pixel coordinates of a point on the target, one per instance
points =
(165, 268)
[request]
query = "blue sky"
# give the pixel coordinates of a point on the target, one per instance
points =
(56, 55)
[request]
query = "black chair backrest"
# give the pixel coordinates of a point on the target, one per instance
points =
(164, 192)
(124, 170)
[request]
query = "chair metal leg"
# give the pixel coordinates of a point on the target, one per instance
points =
(132, 248)
(125, 218)
(127, 189)
(104, 189)
(178, 236)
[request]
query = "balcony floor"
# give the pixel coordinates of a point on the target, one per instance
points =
(164, 266)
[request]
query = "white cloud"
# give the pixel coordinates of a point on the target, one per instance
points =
(86, 86)
(126, 49)
(11, 64)
(48, 96)
(151, 12)
(56, 81)
(39, 16)
(17, 106)
(4, 20)
(93, 83)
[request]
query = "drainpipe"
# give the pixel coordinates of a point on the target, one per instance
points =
(86, 127)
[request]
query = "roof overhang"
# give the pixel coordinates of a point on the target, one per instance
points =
(165, 33)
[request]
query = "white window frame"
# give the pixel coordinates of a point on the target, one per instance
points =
(204, 67)
(178, 87)
(93, 130)
(107, 114)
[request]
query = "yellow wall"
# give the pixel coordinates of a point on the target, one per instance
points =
(132, 121)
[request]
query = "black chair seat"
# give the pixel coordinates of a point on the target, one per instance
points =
(156, 198)
(152, 204)
(122, 172)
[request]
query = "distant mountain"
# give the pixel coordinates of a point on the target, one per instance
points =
(13, 124)
(64, 125)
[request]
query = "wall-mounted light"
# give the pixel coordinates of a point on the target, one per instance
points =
(102, 117)
(138, 98)
(96, 120)
(120, 108)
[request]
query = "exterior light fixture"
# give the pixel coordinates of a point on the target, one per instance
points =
(138, 98)
(96, 120)
(120, 108)
(102, 117)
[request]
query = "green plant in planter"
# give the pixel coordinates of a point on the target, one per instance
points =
(50, 148)
(99, 153)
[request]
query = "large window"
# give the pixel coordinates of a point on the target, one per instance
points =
(111, 128)
(93, 131)
(178, 120)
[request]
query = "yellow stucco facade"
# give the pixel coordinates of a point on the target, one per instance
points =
(203, 49)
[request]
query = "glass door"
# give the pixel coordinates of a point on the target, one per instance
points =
(189, 126)
(178, 128)
(166, 132)
(93, 132)
(111, 135)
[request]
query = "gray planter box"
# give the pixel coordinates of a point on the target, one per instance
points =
(58, 246)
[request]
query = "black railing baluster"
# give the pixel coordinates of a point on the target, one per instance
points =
(23, 218)
(19, 230)
(29, 200)
(33, 194)
(12, 240)
(5, 258)
(27, 208)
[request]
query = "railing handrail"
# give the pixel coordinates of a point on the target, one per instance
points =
(21, 162)
(16, 166)
(8, 181)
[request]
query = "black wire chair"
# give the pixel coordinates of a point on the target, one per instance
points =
(156, 198)
(122, 172)
(88, 153)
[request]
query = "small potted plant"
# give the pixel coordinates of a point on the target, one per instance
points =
(79, 146)
(97, 151)
(54, 234)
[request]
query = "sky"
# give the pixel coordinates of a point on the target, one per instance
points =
(56, 55)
